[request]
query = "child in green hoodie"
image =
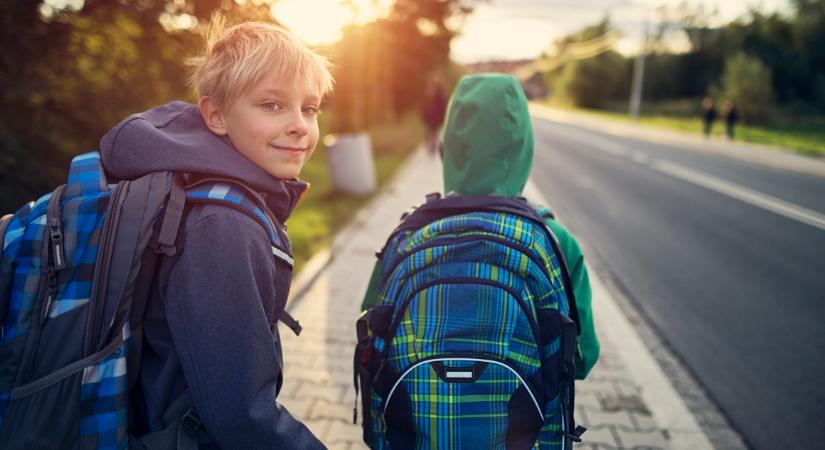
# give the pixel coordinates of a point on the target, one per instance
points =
(488, 150)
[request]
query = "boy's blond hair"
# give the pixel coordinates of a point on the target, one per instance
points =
(238, 57)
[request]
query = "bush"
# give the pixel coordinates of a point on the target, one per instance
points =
(593, 82)
(746, 81)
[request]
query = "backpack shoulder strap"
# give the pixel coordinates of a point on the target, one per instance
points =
(4, 224)
(545, 213)
(437, 207)
(237, 195)
(234, 194)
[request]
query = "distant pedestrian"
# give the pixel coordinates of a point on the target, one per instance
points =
(433, 111)
(731, 116)
(708, 115)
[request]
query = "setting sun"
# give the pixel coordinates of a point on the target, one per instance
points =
(321, 21)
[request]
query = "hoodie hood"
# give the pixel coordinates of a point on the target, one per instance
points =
(174, 137)
(488, 137)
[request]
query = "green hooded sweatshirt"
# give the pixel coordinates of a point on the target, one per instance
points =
(488, 150)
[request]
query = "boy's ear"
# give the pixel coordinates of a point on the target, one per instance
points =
(212, 115)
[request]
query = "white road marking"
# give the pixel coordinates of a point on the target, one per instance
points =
(742, 193)
(713, 183)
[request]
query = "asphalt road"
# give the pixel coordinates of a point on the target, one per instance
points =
(725, 258)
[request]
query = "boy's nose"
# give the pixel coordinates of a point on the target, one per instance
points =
(297, 125)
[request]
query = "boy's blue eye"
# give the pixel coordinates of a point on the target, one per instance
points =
(311, 110)
(271, 106)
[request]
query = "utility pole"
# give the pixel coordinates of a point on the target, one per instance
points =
(639, 73)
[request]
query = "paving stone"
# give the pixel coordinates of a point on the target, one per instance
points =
(597, 418)
(349, 396)
(588, 398)
(324, 409)
(636, 440)
(298, 407)
(643, 422)
(345, 432)
(602, 386)
(341, 362)
(325, 392)
(316, 376)
(585, 446)
(630, 403)
(299, 359)
(341, 445)
(320, 428)
(290, 387)
(603, 435)
(627, 388)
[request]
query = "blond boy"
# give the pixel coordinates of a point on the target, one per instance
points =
(211, 342)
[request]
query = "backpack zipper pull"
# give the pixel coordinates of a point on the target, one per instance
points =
(51, 292)
(56, 232)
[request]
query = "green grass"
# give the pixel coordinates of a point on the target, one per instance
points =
(324, 211)
(803, 136)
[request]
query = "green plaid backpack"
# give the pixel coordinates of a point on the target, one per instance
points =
(473, 340)
(75, 273)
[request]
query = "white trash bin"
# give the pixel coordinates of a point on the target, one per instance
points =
(350, 162)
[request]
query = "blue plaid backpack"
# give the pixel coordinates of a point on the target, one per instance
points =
(473, 340)
(75, 276)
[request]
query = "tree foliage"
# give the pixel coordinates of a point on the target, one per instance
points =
(595, 81)
(790, 46)
(747, 82)
(70, 70)
(384, 65)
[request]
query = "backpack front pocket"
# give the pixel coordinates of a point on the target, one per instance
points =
(456, 402)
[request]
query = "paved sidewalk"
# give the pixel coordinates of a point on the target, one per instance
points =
(627, 402)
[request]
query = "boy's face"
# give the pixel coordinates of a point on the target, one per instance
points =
(274, 124)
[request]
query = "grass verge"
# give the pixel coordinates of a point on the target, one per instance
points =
(323, 210)
(802, 136)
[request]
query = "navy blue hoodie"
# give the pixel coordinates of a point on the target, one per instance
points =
(211, 322)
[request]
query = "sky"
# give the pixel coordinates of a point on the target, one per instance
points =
(515, 29)
(510, 29)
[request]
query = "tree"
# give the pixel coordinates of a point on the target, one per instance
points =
(594, 81)
(747, 82)
(71, 74)
(383, 66)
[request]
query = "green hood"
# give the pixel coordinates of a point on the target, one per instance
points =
(488, 137)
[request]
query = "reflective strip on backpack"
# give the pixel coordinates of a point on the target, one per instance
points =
(283, 256)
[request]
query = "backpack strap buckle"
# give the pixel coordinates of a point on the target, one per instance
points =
(191, 421)
(290, 322)
(576, 435)
(433, 196)
(173, 213)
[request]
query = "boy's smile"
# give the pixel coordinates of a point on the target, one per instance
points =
(274, 124)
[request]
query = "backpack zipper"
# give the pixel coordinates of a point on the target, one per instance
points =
(489, 360)
(101, 273)
(46, 291)
(451, 241)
